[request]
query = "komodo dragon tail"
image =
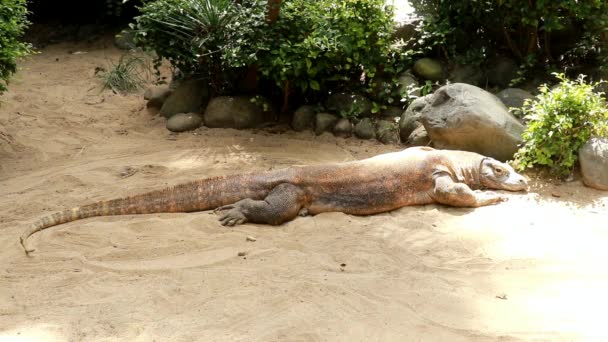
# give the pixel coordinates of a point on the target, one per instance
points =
(199, 195)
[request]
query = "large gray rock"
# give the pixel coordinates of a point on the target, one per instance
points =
(343, 128)
(514, 97)
(303, 118)
(410, 119)
(428, 69)
(353, 105)
(89, 32)
(324, 122)
(184, 122)
(460, 116)
(501, 70)
(387, 132)
(234, 112)
(190, 96)
(157, 95)
(593, 157)
(365, 129)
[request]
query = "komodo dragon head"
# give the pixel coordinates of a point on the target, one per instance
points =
(496, 175)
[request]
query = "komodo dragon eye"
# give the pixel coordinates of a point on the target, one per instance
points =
(499, 171)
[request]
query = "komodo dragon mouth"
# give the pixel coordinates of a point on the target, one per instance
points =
(414, 176)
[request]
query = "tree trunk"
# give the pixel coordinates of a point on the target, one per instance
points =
(274, 8)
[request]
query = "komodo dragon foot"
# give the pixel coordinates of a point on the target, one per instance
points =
(446, 191)
(282, 204)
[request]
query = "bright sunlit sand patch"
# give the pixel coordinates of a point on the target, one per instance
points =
(550, 266)
(36, 333)
(192, 159)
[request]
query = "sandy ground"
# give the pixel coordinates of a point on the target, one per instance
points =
(531, 269)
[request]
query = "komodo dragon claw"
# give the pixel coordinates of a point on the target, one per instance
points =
(233, 218)
(224, 207)
(490, 197)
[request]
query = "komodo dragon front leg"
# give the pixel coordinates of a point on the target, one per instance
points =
(283, 203)
(447, 191)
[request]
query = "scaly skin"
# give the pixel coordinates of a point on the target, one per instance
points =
(414, 176)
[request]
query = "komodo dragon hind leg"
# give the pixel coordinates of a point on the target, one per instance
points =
(282, 204)
(448, 192)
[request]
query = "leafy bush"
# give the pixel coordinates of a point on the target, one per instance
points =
(561, 120)
(126, 76)
(325, 41)
(206, 38)
(471, 31)
(13, 22)
(313, 46)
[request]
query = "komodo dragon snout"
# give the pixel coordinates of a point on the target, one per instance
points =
(496, 175)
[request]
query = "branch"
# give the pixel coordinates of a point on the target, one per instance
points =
(274, 9)
(514, 49)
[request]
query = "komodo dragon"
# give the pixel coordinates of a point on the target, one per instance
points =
(414, 176)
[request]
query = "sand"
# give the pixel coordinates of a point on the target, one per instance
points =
(530, 269)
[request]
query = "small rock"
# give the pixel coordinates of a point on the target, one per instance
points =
(501, 70)
(251, 239)
(189, 96)
(387, 132)
(184, 122)
(593, 157)
(241, 254)
(410, 119)
(352, 105)
(419, 137)
(94, 99)
(514, 97)
(343, 128)
(125, 40)
(235, 112)
(469, 74)
(127, 172)
(391, 112)
(428, 69)
(324, 122)
(502, 296)
(156, 96)
(364, 129)
(303, 118)
(408, 85)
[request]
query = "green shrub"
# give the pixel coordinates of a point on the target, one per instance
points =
(206, 38)
(560, 121)
(126, 76)
(471, 31)
(313, 47)
(13, 22)
(323, 42)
